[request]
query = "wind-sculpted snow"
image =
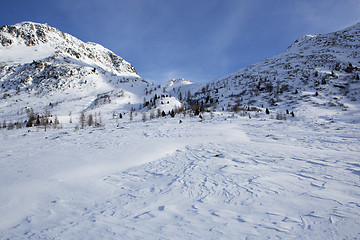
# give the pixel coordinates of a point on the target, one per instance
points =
(225, 178)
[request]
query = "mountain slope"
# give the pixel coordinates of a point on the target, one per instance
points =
(32, 37)
(319, 70)
(40, 65)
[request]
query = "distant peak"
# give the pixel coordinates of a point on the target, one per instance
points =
(177, 82)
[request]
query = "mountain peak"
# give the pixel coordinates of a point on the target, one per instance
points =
(325, 65)
(28, 34)
(26, 42)
(177, 82)
(40, 59)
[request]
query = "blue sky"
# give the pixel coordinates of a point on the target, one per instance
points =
(200, 40)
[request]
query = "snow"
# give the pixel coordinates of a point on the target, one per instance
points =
(222, 176)
(167, 104)
(24, 54)
(226, 177)
(176, 83)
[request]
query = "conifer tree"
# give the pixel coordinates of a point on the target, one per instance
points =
(90, 120)
(82, 119)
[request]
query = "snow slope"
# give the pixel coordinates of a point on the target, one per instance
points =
(18, 40)
(318, 71)
(219, 178)
(43, 69)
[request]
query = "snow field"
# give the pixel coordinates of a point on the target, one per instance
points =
(216, 179)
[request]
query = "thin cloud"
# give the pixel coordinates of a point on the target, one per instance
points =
(330, 15)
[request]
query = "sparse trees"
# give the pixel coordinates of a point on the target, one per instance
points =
(31, 117)
(18, 125)
(45, 122)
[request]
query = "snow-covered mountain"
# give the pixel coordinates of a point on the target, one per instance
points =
(316, 70)
(177, 82)
(60, 70)
(42, 66)
(27, 42)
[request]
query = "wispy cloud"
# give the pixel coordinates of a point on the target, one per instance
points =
(227, 31)
(329, 15)
(195, 39)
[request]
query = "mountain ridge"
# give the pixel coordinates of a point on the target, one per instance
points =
(325, 65)
(31, 34)
(316, 71)
(40, 65)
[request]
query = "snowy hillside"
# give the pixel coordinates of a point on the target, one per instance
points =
(316, 71)
(43, 68)
(27, 42)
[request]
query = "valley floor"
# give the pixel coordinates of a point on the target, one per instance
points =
(225, 178)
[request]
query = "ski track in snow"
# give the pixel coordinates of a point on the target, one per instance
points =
(234, 179)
